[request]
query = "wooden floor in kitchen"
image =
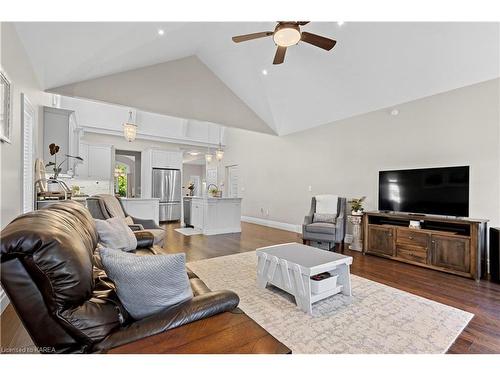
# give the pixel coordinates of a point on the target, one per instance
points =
(482, 335)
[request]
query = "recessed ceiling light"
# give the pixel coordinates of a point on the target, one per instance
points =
(394, 112)
(161, 31)
(264, 71)
(340, 23)
(193, 153)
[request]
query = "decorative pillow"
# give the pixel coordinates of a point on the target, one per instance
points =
(324, 218)
(129, 220)
(326, 203)
(147, 284)
(115, 234)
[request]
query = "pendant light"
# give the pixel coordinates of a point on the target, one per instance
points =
(219, 153)
(130, 129)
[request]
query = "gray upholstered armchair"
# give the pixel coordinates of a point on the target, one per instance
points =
(324, 227)
(106, 206)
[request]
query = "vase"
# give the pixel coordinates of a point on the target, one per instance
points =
(53, 186)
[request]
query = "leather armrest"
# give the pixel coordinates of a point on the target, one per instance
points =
(144, 239)
(146, 223)
(196, 308)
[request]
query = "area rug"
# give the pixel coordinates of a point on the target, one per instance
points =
(376, 319)
(188, 231)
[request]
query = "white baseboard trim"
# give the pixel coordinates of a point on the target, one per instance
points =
(273, 224)
(211, 232)
(4, 301)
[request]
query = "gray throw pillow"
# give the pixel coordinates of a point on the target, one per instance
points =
(115, 234)
(324, 218)
(147, 284)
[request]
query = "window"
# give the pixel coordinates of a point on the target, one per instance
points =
(121, 180)
(232, 181)
(28, 125)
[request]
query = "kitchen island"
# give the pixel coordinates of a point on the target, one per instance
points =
(213, 215)
(142, 208)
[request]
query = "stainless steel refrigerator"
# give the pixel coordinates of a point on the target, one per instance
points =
(167, 187)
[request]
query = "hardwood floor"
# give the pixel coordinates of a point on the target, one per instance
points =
(482, 335)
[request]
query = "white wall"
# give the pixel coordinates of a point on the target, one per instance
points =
(183, 88)
(18, 68)
(460, 127)
(15, 63)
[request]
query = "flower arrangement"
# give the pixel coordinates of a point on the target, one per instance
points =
(213, 191)
(357, 205)
(53, 150)
(191, 188)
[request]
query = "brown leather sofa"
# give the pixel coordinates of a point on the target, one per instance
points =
(65, 302)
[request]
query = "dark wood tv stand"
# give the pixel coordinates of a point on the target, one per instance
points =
(448, 244)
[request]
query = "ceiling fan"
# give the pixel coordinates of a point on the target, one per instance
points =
(286, 34)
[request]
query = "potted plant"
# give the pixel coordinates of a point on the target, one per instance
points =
(357, 206)
(214, 192)
(52, 184)
(54, 149)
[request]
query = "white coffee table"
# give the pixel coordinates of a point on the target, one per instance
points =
(290, 267)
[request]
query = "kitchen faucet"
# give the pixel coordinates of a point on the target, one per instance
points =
(208, 187)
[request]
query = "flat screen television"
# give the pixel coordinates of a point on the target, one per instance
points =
(438, 191)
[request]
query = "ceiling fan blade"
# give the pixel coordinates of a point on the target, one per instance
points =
(318, 41)
(302, 23)
(280, 55)
(244, 38)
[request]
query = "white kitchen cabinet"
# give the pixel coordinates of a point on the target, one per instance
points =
(97, 161)
(166, 159)
(215, 215)
(142, 208)
(197, 208)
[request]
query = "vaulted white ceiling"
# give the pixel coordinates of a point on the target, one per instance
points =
(373, 65)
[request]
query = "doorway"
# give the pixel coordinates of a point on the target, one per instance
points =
(128, 173)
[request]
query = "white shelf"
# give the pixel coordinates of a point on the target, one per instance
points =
(328, 293)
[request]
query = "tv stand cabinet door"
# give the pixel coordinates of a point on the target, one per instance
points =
(381, 240)
(451, 253)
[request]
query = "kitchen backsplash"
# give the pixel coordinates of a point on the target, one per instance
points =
(91, 187)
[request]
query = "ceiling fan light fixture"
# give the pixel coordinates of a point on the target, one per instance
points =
(286, 35)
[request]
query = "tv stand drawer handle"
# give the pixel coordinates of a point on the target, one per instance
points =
(410, 237)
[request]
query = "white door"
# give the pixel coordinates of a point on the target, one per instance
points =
(232, 181)
(28, 125)
(196, 180)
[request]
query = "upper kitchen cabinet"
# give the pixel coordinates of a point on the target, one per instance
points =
(166, 159)
(97, 161)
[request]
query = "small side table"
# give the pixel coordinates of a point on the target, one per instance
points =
(356, 244)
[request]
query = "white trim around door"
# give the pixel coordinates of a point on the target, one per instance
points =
(28, 125)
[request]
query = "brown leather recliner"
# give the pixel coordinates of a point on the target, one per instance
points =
(65, 303)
